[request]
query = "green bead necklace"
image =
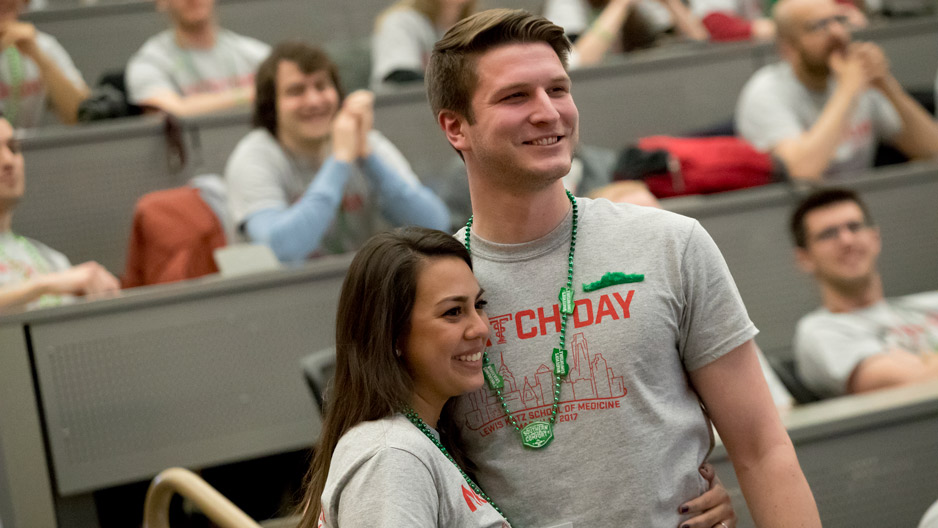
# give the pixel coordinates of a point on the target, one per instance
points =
(17, 75)
(539, 434)
(425, 429)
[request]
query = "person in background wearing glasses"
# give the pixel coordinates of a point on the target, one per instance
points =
(825, 107)
(33, 275)
(858, 340)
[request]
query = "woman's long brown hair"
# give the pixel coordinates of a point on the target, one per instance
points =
(371, 382)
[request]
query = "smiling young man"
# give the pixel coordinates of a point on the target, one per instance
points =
(614, 325)
(858, 340)
(314, 177)
(826, 106)
(195, 67)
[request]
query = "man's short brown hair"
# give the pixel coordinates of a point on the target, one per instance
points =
(818, 199)
(307, 58)
(451, 75)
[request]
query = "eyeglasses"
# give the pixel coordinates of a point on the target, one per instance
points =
(833, 232)
(824, 24)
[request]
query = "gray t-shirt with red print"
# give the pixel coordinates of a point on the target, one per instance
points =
(386, 473)
(774, 106)
(630, 433)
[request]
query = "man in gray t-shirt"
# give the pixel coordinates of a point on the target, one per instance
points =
(614, 325)
(858, 340)
(826, 107)
(195, 67)
(33, 275)
(314, 177)
(35, 72)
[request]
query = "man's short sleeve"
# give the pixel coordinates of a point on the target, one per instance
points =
(253, 174)
(256, 50)
(827, 351)
(571, 15)
(396, 44)
(391, 489)
(714, 320)
(764, 116)
(55, 51)
(145, 79)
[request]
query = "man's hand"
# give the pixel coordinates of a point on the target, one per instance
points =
(850, 69)
(90, 279)
(874, 62)
(22, 35)
(711, 508)
(361, 104)
(351, 126)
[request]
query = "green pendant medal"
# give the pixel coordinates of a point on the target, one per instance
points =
(539, 434)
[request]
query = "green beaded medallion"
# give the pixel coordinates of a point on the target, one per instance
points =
(560, 362)
(566, 300)
(539, 434)
(492, 377)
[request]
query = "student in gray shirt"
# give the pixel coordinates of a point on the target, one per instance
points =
(858, 340)
(196, 67)
(33, 275)
(404, 36)
(825, 107)
(35, 72)
(410, 333)
(614, 325)
(314, 177)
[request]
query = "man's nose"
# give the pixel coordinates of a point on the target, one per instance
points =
(545, 110)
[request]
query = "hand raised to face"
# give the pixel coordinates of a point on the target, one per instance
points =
(849, 67)
(19, 34)
(352, 123)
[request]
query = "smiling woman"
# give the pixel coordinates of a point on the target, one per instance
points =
(410, 332)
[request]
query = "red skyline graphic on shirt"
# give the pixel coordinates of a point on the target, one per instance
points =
(590, 378)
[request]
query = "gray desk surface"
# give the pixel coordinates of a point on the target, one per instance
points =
(191, 374)
(870, 459)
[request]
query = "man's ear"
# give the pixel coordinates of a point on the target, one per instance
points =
(786, 50)
(804, 261)
(454, 126)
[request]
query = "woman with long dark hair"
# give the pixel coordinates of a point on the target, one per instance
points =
(410, 333)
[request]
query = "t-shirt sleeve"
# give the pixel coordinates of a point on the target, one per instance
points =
(145, 79)
(255, 50)
(764, 117)
(827, 352)
(885, 118)
(391, 489)
(571, 15)
(396, 46)
(57, 53)
(714, 320)
(252, 174)
(56, 260)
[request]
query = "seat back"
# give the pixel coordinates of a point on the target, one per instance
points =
(319, 368)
